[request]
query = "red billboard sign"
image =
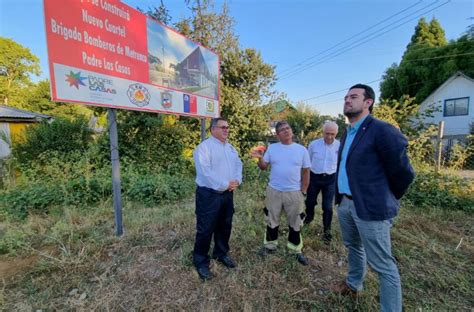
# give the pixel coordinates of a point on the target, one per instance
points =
(105, 53)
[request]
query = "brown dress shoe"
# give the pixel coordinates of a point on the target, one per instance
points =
(341, 288)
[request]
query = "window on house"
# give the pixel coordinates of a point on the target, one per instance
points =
(456, 107)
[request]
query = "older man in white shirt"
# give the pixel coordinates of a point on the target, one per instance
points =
(219, 173)
(323, 153)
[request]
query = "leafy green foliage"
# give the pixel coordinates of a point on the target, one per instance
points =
(153, 188)
(442, 191)
(427, 62)
(38, 99)
(306, 123)
(470, 147)
(431, 34)
(404, 115)
(162, 142)
(37, 197)
(458, 155)
(80, 183)
(245, 78)
(61, 135)
(254, 180)
(17, 63)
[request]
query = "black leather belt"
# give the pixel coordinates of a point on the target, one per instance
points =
(347, 196)
(324, 174)
(213, 190)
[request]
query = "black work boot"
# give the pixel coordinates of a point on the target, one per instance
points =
(302, 259)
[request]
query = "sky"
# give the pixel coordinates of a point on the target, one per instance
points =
(318, 47)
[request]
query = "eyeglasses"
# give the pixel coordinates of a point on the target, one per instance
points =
(222, 127)
(283, 129)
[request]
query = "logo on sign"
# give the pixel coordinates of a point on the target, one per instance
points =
(166, 99)
(209, 106)
(189, 103)
(138, 95)
(75, 79)
(100, 84)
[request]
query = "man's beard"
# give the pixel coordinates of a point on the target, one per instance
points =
(352, 114)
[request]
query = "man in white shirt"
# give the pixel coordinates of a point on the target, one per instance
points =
(218, 174)
(323, 153)
(289, 179)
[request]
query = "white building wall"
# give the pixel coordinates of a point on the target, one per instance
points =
(459, 87)
(5, 140)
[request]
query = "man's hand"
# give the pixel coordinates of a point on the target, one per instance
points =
(258, 151)
(233, 184)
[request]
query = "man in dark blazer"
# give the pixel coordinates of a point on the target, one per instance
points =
(373, 174)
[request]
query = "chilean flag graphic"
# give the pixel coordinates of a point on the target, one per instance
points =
(190, 103)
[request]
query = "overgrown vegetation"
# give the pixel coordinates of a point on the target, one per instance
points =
(58, 250)
(71, 260)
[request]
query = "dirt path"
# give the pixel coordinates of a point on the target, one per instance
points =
(12, 267)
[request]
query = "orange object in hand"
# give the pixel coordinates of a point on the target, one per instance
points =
(258, 150)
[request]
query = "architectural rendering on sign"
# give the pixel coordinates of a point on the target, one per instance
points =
(178, 63)
(119, 58)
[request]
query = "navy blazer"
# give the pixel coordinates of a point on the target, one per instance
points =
(378, 169)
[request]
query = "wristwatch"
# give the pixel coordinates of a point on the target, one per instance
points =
(304, 194)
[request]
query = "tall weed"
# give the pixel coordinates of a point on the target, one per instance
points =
(440, 190)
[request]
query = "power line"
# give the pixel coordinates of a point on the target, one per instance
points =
(334, 92)
(415, 48)
(377, 80)
(350, 38)
(353, 45)
(439, 57)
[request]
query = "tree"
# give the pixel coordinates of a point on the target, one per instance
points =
(469, 33)
(422, 35)
(390, 85)
(61, 136)
(305, 122)
(427, 62)
(439, 37)
(246, 80)
(160, 14)
(17, 63)
(38, 99)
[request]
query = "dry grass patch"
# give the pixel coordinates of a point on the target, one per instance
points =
(150, 268)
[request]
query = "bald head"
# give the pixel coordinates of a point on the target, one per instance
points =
(330, 129)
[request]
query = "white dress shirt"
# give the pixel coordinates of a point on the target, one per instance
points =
(217, 164)
(323, 156)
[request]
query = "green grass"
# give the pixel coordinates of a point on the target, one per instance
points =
(150, 267)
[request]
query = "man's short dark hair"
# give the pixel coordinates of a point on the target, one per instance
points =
(368, 93)
(280, 124)
(214, 121)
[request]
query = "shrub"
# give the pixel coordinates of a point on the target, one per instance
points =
(153, 188)
(39, 192)
(254, 179)
(24, 199)
(61, 135)
(441, 191)
(13, 239)
(88, 190)
(157, 141)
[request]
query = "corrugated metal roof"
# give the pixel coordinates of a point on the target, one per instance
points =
(12, 112)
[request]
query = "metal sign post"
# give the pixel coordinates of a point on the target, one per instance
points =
(203, 129)
(114, 157)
